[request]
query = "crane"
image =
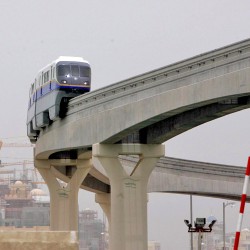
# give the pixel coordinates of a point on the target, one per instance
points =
(37, 179)
(23, 163)
(15, 144)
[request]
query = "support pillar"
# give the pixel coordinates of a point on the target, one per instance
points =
(104, 202)
(103, 199)
(63, 199)
(128, 191)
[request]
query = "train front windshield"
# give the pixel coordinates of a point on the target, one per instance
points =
(63, 70)
(73, 74)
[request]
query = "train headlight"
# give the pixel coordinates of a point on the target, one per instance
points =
(85, 83)
(64, 81)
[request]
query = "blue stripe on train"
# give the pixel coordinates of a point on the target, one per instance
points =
(51, 87)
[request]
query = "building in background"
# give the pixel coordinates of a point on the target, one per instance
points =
(154, 245)
(22, 206)
(214, 239)
(92, 231)
(244, 243)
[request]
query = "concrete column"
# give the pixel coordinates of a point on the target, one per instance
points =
(128, 191)
(104, 202)
(63, 199)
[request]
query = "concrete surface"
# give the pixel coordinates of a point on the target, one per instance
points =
(43, 240)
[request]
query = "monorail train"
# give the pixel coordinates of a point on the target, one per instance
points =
(52, 89)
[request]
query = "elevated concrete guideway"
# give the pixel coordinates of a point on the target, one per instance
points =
(156, 106)
(172, 175)
(180, 176)
(134, 117)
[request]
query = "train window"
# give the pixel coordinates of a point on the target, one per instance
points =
(63, 70)
(46, 76)
(75, 70)
(32, 87)
(84, 71)
(51, 72)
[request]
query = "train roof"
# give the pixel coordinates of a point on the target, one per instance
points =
(70, 58)
(64, 59)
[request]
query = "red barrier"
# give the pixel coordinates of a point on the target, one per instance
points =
(242, 206)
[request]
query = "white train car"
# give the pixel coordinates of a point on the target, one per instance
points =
(53, 87)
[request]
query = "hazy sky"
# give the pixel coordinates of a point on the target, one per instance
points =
(121, 39)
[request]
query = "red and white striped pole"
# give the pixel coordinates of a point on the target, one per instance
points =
(242, 206)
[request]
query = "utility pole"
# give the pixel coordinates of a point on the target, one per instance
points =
(224, 221)
(191, 219)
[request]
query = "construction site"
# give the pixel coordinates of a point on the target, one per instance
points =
(25, 202)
